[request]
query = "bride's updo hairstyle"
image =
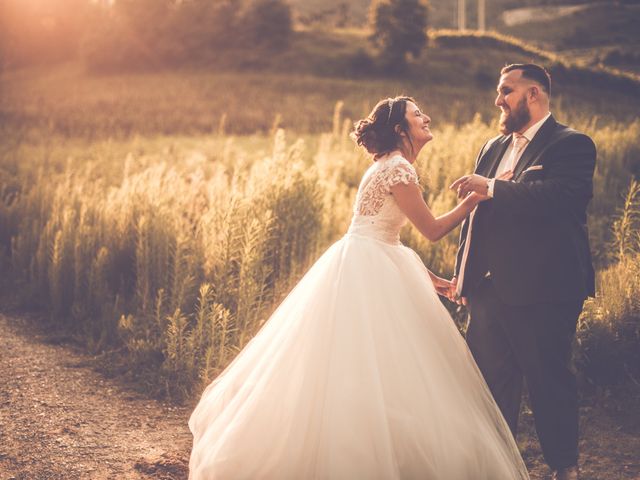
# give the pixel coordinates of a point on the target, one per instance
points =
(377, 132)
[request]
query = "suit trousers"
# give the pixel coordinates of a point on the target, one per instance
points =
(531, 343)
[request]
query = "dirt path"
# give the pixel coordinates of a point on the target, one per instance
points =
(59, 419)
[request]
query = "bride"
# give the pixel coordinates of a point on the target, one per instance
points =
(361, 373)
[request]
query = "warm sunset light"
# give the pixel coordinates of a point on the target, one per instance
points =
(304, 239)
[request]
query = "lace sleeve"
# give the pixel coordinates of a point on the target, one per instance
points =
(400, 171)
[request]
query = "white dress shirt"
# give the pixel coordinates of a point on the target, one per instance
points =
(504, 161)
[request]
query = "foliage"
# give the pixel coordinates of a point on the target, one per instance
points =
(399, 29)
(562, 68)
(336, 16)
(609, 330)
(618, 161)
(246, 87)
(627, 227)
(626, 58)
(176, 249)
(143, 34)
(122, 250)
(200, 25)
(269, 23)
(603, 21)
(608, 337)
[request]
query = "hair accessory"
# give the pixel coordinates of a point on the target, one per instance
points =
(391, 102)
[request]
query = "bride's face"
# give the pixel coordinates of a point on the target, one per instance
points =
(418, 124)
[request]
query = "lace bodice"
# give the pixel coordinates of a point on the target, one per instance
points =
(376, 213)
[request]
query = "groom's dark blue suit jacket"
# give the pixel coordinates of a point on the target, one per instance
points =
(532, 235)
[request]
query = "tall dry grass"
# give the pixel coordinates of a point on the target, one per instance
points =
(176, 258)
(177, 249)
(609, 329)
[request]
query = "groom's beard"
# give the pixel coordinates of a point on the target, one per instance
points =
(515, 119)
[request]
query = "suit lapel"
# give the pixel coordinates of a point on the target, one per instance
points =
(489, 162)
(535, 147)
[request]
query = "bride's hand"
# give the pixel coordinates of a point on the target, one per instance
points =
(471, 183)
(476, 185)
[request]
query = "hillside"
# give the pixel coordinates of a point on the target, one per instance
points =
(298, 88)
(597, 33)
(442, 13)
(593, 31)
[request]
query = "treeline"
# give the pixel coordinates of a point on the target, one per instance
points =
(116, 35)
(129, 34)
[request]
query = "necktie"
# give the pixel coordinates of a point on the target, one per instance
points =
(519, 144)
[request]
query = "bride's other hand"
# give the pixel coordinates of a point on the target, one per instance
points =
(471, 183)
(442, 286)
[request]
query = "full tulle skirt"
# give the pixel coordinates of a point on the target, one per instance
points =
(359, 374)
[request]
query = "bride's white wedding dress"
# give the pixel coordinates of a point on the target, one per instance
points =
(359, 374)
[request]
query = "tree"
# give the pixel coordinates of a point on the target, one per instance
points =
(269, 23)
(204, 26)
(399, 29)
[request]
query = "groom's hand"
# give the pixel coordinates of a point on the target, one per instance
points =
(471, 183)
(453, 293)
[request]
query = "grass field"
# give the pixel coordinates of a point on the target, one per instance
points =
(178, 247)
(164, 214)
(296, 90)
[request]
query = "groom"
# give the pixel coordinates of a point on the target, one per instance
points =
(523, 266)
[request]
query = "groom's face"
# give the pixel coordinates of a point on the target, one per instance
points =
(512, 101)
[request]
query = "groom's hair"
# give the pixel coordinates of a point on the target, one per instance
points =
(533, 72)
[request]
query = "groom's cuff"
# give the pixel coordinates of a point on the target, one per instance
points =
(490, 184)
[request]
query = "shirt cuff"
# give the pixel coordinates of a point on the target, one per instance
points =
(490, 184)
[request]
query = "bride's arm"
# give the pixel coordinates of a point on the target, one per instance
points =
(409, 199)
